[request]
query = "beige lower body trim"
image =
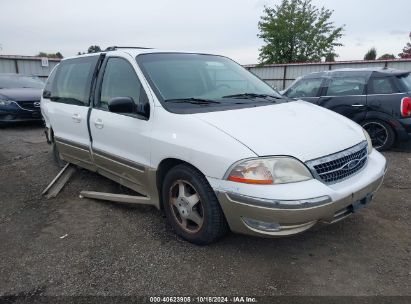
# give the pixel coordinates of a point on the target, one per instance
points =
(125, 172)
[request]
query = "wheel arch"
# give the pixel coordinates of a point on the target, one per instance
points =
(388, 119)
(165, 166)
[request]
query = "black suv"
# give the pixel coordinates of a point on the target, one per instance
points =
(379, 99)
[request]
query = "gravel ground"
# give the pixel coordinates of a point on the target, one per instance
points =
(112, 249)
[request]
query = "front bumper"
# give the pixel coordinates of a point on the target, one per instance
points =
(293, 208)
(14, 113)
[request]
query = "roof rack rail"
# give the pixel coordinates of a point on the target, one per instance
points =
(113, 48)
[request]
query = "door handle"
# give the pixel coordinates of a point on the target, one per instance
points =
(358, 105)
(99, 123)
(76, 118)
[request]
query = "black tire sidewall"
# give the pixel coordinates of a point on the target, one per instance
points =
(208, 232)
(390, 133)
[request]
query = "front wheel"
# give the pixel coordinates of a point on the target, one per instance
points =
(191, 207)
(382, 134)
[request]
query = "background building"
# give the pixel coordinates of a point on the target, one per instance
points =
(28, 65)
(280, 76)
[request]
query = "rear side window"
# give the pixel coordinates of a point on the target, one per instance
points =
(305, 88)
(381, 85)
(73, 80)
(343, 86)
(405, 81)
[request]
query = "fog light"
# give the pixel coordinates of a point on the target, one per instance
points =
(260, 225)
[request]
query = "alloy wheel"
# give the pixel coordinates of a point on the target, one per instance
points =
(186, 206)
(377, 132)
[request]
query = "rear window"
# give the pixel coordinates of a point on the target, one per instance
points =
(73, 80)
(405, 80)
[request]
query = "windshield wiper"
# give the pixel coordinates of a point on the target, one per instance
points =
(193, 100)
(252, 96)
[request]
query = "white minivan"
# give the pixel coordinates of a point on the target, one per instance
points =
(208, 142)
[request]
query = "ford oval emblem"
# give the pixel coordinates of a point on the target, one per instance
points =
(351, 164)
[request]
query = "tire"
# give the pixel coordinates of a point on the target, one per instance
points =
(204, 221)
(381, 133)
(56, 155)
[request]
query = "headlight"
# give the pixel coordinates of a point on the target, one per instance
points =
(4, 102)
(369, 142)
(269, 171)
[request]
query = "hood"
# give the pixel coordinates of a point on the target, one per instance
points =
(297, 128)
(21, 94)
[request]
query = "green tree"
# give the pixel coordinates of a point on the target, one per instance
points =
(330, 57)
(50, 55)
(371, 54)
(94, 49)
(297, 31)
(386, 56)
(406, 51)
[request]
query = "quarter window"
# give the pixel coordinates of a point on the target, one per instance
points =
(381, 85)
(73, 80)
(305, 88)
(343, 86)
(405, 80)
(120, 80)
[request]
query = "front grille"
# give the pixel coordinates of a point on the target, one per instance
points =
(339, 166)
(29, 105)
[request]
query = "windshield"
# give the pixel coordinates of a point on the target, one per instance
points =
(18, 81)
(405, 80)
(177, 76)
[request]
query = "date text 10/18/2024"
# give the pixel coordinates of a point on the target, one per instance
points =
(235, 299)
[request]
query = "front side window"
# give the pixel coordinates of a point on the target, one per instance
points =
(73, 80)
(120, 80)
(305, 88)
(203, 81)
(344, 86)
(381, 85)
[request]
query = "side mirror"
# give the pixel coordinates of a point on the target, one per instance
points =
(121, 105)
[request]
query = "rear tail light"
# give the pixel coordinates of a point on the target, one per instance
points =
(406, 106)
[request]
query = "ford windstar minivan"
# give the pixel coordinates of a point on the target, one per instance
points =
(208, 142)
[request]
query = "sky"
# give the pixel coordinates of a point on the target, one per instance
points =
(225, 27)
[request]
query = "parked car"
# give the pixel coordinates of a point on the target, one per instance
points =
(20, 98)
(209, 143)
(379, 99)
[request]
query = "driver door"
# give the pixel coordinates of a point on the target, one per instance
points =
(120, 142)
